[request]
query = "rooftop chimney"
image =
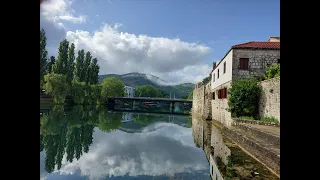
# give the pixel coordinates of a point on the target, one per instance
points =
(214, 65)
(274, 39)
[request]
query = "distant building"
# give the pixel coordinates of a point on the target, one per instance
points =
(129, 91)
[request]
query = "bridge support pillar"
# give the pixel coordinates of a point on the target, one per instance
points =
(172, 107)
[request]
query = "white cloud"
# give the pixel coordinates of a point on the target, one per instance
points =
(56, 10)
(166, 151)
(122, 52)
(173, 60)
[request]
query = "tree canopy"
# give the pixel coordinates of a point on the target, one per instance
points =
(112, 87)
(148, 91)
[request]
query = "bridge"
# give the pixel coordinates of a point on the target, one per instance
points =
(145, 104)
(151, 99)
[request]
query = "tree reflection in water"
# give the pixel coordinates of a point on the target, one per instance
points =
(69, 130)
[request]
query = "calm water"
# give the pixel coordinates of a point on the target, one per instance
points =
(89, 142)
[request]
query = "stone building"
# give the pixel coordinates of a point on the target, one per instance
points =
(241, 61)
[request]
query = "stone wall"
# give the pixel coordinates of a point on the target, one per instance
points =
(220, 106)
(258, 60)
(201, 101)
(269, 103)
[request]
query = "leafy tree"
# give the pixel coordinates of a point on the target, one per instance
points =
(273, 71)
(71, 63)
(52, 61)
(243, 97)
(86, 66)
(207, 79)
(93, 94)
(78, 91)
(79, 66)
(57, 86)
(112, 87)
(43, 53)
(148, 91)
(62, 66)
(94, 71)
(190, 95)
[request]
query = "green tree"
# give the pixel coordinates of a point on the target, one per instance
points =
(206, 79)
(61, 65)
(112, 87)
(148, 91)
(94, 71)
(43, 53)
(93, 94)
(57, 86)
(243, 97)
(79, 66)
(273, 71)
(86, 67)
(71, 64)
(52, 61)
(190, 95)
(78, 91)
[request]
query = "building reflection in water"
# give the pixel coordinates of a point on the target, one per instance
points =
(209, 138)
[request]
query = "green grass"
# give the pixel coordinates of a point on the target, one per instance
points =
(263, 119)
(246, 118)
(269, 119)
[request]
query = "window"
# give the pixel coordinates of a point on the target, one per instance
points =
(219, 94)
(218, 74)
(278, 61)
(213, 78)
(213, 96)
(244, 63)
(224, 93)
(224, 67)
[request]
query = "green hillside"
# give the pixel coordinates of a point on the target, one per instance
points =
(140, 79)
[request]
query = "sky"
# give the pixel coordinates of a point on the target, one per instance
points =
(176, 40)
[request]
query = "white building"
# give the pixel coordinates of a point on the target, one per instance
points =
(241, 61)
(129, 91)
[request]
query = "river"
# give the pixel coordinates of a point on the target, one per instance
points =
(89, 142)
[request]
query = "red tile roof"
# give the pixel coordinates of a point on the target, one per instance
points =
(257, 45)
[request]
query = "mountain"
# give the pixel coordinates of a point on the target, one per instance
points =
(140, 79)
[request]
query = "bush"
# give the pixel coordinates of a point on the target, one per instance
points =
(270, 119)
(273, 71)
(243, 97)
(57, 86)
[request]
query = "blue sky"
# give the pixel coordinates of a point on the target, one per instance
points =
(212, 24)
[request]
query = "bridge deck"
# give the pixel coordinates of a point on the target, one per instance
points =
(154, 99)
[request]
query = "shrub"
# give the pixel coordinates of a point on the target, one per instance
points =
(269, 119)
(57, 86)
(273, 71)
(243, 97)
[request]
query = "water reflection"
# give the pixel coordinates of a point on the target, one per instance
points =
(82, 142)
(227, 160)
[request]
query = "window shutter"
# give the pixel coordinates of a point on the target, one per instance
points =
(225, 92)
